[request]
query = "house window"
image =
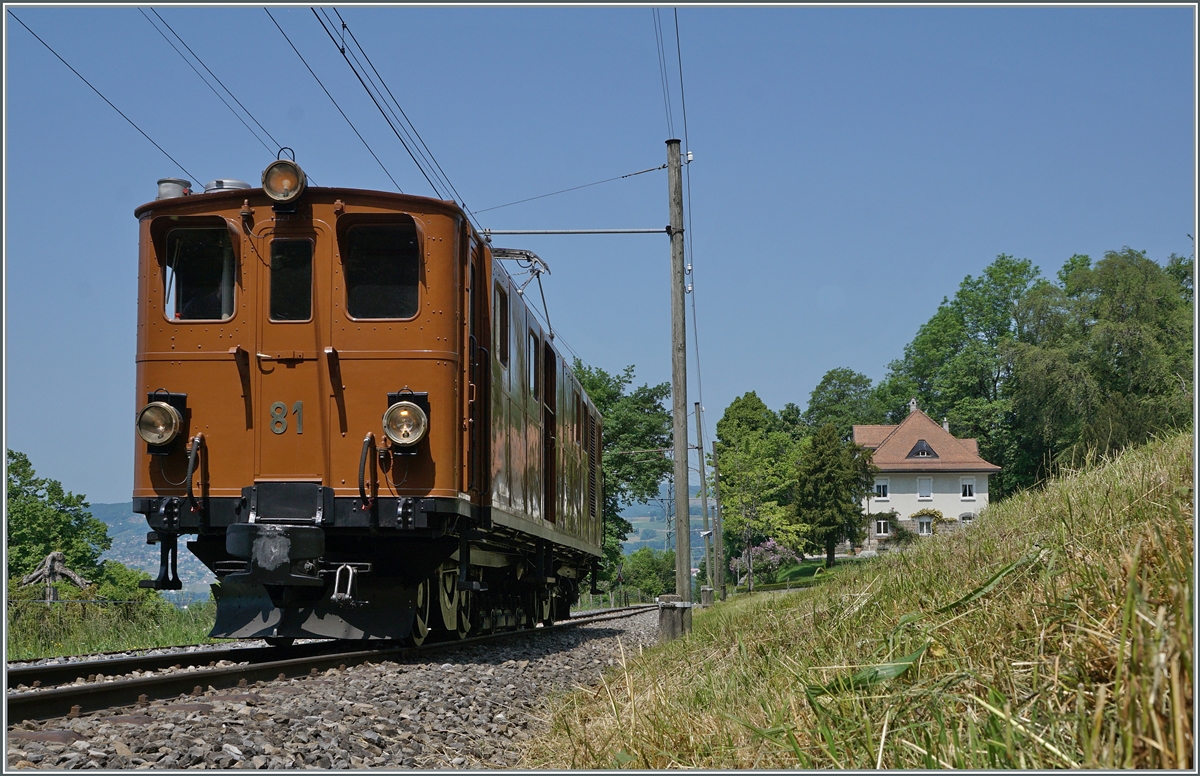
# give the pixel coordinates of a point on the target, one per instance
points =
(882, 527)
(966, 517)
(924, 488)
(881, 490)
(968, 488)
(925, 526)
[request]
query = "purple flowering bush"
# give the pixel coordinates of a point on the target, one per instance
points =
(768, 558)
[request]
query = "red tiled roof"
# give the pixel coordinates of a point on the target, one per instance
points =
(871, 436)
(892, 444)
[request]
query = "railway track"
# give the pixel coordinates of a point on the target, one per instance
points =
(54, 698)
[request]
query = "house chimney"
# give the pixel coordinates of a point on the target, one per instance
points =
(946, 425)
(912, 405)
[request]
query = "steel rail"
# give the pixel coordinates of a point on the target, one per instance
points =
(72, 700)
(49, 675)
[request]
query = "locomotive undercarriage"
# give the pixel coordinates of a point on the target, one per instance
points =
(391, 571)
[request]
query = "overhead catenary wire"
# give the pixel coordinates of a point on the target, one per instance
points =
(98, 92)
(662, 71)
(376, 101)
(573, 188)
(335, 103)
(221, 83)
(202, 78)
(411, 126)
(691, 239)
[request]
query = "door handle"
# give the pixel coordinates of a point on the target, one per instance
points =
(295, 355)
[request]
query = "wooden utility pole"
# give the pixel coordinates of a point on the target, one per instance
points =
(683, 521)
(708, 567)
(718, 524)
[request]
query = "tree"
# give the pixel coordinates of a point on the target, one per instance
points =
(756, 451)
(43, 518)
(833, 477)
(633, 420)
(843, 398)
(650, 571)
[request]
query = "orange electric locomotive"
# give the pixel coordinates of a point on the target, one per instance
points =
(343, 398)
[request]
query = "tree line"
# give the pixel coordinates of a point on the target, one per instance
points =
(1044, 373)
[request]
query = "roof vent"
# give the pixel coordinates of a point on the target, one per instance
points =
(224, 184)
(169, 188)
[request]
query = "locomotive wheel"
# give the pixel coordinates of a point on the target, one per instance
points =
(448, 599)
(421, 618)
(464, 627)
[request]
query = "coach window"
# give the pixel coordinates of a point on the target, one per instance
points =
(200, 274)
(291, 280)
(383, 270)
(532, 360)
(500, 325)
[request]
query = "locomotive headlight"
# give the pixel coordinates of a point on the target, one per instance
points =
(158, 423)
(283, 180)
(405, 423)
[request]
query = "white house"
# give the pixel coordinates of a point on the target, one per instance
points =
(922, 466)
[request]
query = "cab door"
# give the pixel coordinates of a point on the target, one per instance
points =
(291, 423)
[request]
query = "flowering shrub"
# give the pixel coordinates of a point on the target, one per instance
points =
(767, 557)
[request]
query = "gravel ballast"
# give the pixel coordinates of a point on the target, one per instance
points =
(472, 708)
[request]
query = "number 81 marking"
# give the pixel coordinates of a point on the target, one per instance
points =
(279, 419)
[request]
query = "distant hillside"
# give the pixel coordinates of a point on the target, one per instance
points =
(127, 529)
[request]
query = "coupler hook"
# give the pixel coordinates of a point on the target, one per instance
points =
(345, 596)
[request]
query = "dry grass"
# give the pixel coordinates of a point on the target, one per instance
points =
(1055, 633)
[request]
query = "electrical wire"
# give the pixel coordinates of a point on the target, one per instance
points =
(411, 126)
(382, 112)
(662, 71)
(278, 145)
(97, 91)
(691, 240)
(335, 103)
(202, 78)
(574, 188)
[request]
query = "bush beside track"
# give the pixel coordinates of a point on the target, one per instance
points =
(1055, 633)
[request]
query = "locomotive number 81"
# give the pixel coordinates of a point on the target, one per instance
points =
(344, 400)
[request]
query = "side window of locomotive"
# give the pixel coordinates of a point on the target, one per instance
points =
(532, 361)
(382, 265)
(200, 274)
(500, 325)
(291, 280)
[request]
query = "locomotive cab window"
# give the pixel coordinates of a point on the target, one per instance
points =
(200, 274)
(532, 362)
(500, 325)
(382, 264)
(291, 280)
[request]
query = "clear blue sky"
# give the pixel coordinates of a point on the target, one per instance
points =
(852, 165)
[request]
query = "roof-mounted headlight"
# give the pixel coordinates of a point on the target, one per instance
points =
(283, 180)
(158, 423)
(405, 423)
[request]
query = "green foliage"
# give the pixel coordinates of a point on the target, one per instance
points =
(1043, 373)
(833, 476)
(843, 398)
(633, 420)
(756, 452)
(43, 518)
(650, 571)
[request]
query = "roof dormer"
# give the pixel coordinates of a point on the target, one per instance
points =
(921, 450)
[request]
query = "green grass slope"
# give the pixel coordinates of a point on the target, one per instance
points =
(1054, 633)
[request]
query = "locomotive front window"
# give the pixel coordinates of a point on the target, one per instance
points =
(200, 274)
(383, 270)
(291, 280)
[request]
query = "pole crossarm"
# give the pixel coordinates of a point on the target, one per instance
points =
(661, 230)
